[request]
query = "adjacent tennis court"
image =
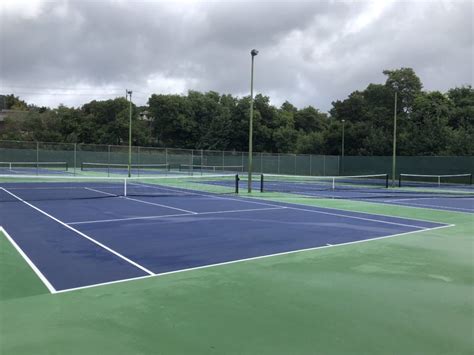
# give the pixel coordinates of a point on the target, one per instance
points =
(441, 192)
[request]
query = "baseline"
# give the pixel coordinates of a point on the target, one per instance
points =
(252, 258)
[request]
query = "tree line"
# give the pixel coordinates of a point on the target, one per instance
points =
(429, 123)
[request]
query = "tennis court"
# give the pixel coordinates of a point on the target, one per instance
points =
(85, 234)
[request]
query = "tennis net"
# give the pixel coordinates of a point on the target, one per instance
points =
(36, 168)
(38, 188)
(449, 181)
(210, 169)
(122, 169)
(306, 185)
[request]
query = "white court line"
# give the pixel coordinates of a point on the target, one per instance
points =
(210, 195)
(81, 234)
(246, 199)
(99, 191)
(321, 212)
(160, 187)
(38, 273)
(126, 219)
(145, 202)
(441, 207)
(160, 205)
(348, 210)
(174, 215)
(427, 198)
(252, 258)
(355, 217)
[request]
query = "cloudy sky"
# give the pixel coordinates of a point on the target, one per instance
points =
(311, 52)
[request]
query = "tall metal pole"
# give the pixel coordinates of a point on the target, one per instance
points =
(253, 53)
(130, 137)
(394, 152)
(342, 148)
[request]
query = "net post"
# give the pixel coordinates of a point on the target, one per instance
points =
(333, 183)
(386, 181)
(400, 180)
(125, 187)
(261, 182)
(439, 181)
(470, 179)
(237, 179)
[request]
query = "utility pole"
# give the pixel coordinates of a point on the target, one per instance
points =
(253, 53)
(394, 152)
(342, 149)
(129, 93)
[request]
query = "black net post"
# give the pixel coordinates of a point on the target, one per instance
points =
(386, 181)
(400, 180)
(237, 179)
(261, 182)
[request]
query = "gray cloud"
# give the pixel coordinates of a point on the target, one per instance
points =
(311, 53)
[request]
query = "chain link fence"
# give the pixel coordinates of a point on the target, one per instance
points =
(293, 164)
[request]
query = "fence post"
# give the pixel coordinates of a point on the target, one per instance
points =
(37, 158)
(75, 157)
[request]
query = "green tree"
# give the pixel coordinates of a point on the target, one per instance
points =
(173, 121)
(407, 84)
(12, 102)
(429, 132)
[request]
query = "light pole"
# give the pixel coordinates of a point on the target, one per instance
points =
(129, 93)
(342, 148)
(253, 53)
(394, 149)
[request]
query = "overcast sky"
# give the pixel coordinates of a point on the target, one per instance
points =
(311, 52)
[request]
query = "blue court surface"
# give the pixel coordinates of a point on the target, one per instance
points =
(81, 242)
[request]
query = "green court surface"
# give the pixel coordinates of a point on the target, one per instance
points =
(411, 294)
